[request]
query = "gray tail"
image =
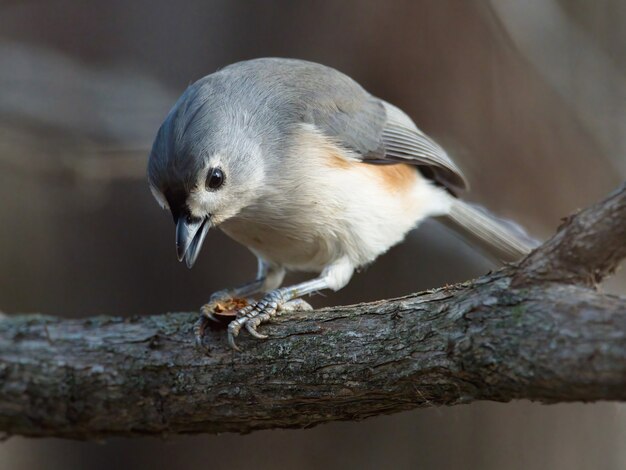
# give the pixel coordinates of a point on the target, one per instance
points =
(501, 238)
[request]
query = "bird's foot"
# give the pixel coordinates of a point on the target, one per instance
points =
(217, 298)
(216, 310)
(252, 316)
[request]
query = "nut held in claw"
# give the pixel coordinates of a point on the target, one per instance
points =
(225, 311)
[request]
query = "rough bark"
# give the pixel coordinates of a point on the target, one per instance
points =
(587, 247)
(536, 330)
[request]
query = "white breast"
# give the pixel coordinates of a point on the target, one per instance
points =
(323, 206)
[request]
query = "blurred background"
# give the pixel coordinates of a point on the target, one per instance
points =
(528, 97)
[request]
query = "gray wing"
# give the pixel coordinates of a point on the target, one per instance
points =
(404, 142)
(378, 132)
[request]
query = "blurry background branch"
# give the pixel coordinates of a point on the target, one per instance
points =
(537, 330)
(546, 31)
(75, 122)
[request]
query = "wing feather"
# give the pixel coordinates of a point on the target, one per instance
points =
(375, 131)
(403, 141)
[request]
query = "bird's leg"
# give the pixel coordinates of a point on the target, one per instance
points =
(268, 277)
(334, 276)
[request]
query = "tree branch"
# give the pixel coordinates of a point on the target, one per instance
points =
(534, 331)
(587, 247)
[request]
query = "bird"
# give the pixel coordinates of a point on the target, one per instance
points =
(300, 164)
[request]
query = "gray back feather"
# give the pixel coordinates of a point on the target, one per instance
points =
(268, 99)
(376, 131)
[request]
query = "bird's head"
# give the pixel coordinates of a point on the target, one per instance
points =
(205, 165)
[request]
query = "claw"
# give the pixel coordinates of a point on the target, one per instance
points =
(198, 330)
(233, 332)
(206, 311)
(253, 315)
(252, 330)
(231, 342)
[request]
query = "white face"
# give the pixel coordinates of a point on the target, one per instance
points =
(205, 166)
(196, 209)
(222, 188)
(212, 194)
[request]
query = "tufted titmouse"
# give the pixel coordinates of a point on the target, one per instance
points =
(300, 164)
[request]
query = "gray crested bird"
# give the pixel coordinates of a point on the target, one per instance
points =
(300, 164)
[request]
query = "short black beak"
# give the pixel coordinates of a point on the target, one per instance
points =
(190, 233)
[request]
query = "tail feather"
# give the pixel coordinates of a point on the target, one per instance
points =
(502, 238)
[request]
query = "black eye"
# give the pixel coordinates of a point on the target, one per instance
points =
(215, 178)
